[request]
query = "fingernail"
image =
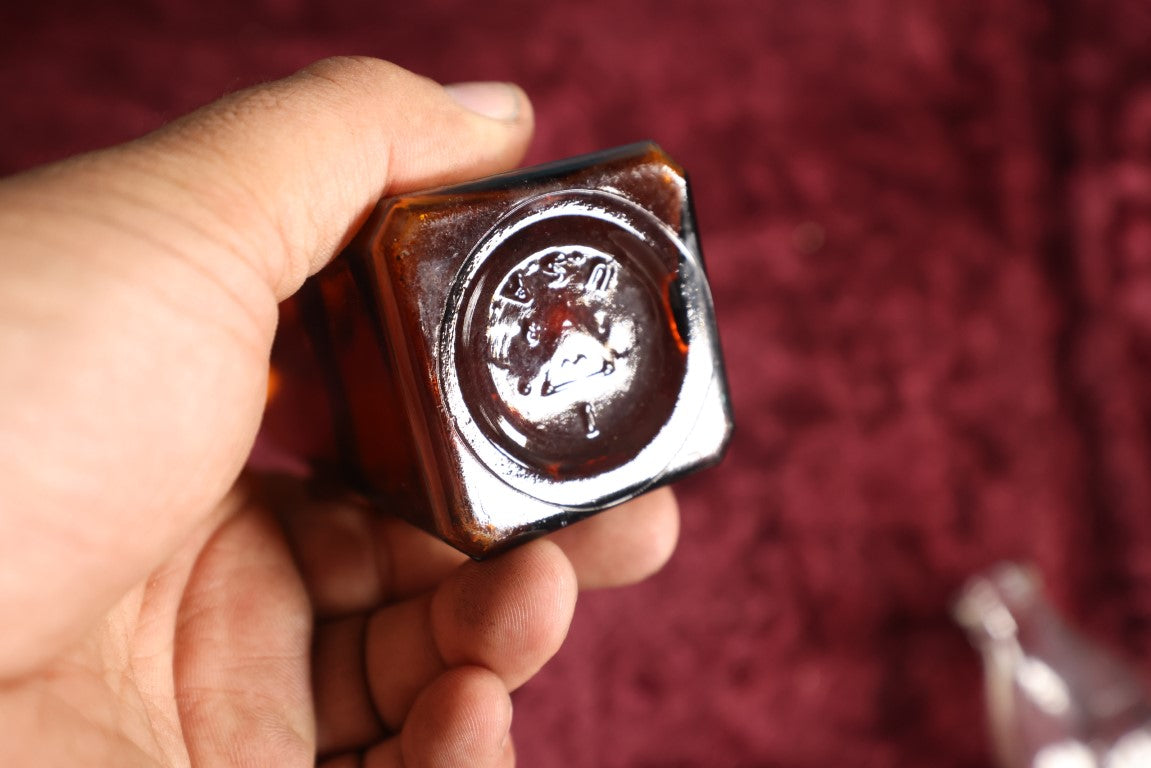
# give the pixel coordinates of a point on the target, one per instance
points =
(499, 101)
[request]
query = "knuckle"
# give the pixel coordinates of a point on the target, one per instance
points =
(350, 71)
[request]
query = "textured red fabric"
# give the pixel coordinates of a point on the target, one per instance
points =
(928, 225)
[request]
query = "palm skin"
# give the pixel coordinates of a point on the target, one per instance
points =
(163, 609)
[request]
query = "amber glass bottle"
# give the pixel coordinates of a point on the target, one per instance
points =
(498, 359)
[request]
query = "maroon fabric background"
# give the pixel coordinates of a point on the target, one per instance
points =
(928, 225)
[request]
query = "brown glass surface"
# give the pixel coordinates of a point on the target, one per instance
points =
(567, 352)
(479, 345)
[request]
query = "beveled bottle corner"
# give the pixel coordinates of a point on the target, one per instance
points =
(497, 359)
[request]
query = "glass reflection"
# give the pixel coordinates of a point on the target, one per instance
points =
(1055, 699)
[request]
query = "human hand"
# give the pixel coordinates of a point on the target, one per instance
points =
(161, 608)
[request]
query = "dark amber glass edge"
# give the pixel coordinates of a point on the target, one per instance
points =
(549, 171)
(689, 233)
(541, 177)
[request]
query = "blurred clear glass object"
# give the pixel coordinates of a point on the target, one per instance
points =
(1055, 699)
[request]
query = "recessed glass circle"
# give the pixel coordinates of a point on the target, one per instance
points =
(567, 351)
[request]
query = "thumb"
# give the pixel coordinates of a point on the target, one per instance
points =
(294, 164)
(139, 305)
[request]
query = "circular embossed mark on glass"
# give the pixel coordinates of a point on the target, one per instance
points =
(566, 350)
